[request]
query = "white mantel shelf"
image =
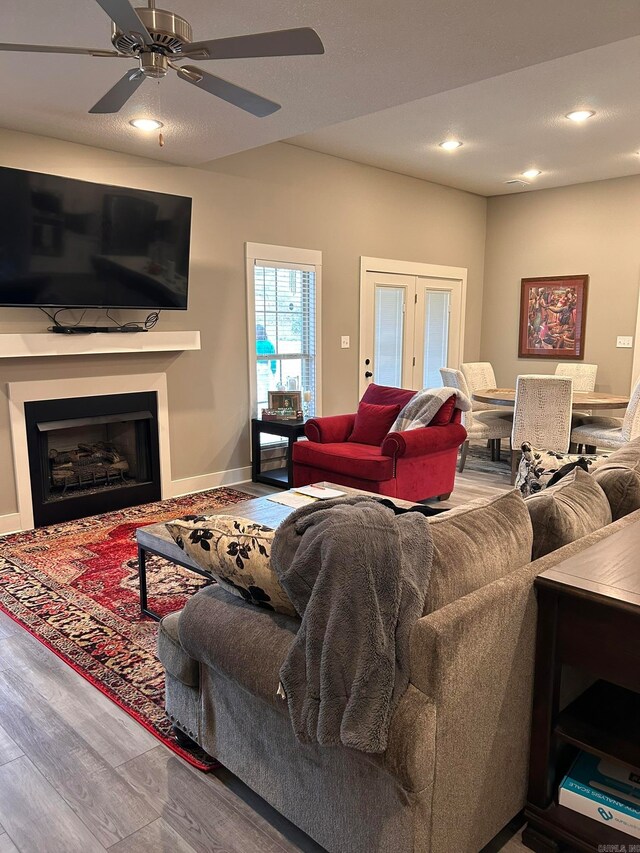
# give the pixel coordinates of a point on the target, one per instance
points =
(100, 343)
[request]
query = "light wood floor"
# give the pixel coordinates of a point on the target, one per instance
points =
(78, 775)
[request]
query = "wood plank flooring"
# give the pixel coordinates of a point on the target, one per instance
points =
(77, 774)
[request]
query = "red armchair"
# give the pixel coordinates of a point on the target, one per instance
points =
(411, 465)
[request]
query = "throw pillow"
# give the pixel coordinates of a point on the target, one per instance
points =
(444, 413)
(372, 423)
(540, 469)
(476, 544)
(564, 513)
(620, 479)
(236, 553)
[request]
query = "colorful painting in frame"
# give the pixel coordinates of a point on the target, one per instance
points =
(553, 313)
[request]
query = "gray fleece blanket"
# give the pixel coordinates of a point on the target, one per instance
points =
(358, 576)
(425, 405)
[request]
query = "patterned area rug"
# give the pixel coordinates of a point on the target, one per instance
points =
(74, 586)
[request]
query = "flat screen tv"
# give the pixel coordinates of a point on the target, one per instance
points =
(75, 244)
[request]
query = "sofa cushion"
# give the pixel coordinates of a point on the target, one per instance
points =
(372, 423)
(476, 544)
(564, 513)
(362, 461)
(174, 658)
(237, 640)
(384, 395)
(619, 478)
(541, 468)
(237, 553)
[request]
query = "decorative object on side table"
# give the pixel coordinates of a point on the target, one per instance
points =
(285, 400)
(553, 312)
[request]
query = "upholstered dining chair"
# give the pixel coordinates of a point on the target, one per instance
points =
(479, 374)
(610, 433)
(491, 426)
(583, 375)
(542, 415)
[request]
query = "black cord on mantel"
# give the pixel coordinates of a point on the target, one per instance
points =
(54, 317)
(148, 323)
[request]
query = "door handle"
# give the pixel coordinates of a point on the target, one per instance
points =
(368, 374)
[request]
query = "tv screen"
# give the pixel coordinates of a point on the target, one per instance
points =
(74, 244)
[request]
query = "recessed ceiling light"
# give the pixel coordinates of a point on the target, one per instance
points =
(146, 123)
(531, 173)
(451, 144)
(580, 115)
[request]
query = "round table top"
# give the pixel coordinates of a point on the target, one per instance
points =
(581, 399)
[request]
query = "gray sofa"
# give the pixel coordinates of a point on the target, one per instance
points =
(455, 771)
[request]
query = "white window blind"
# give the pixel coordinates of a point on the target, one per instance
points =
(436, 336)
(388, 335)
(285, 327)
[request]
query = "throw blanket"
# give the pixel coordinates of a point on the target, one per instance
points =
(422, 409)
(358, 576)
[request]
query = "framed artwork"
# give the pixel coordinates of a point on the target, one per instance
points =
(285, 400)
(553, 313)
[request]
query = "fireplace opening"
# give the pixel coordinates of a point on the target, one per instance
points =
(89, 455)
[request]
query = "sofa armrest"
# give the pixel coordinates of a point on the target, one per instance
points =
(423, 441)
(330, 430)
(474, 659)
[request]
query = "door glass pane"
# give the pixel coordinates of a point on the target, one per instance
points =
(436, 336)
(388, 335)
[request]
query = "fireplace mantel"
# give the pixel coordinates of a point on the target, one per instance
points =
(42, 344)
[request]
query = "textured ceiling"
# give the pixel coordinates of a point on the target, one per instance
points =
(378, 55)
(508, 124)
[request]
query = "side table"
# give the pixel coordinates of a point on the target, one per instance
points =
(588, 618)
(291, 430)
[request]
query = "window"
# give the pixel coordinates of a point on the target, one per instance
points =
(283, 290)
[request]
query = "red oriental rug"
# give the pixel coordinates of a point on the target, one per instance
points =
(74, 586)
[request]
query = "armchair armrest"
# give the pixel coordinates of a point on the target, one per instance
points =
(330, 430)
(423, 441)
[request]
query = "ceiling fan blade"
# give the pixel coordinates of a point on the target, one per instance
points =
(229, 92)
(125, 17)
(119, 94)
(298, 42)
(49, 48)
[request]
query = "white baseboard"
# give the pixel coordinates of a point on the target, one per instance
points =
(188, 485)
(9, 523)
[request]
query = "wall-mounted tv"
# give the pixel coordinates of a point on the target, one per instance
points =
(66, 243)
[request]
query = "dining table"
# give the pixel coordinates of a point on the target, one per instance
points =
(592, 400)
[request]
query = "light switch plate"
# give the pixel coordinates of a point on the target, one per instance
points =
(625, 341)
(345, 342)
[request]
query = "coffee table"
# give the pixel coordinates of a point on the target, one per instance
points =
(156, 539)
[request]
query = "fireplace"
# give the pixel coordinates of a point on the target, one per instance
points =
(89, 455)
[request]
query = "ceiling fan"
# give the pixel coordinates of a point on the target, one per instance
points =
(160, 40)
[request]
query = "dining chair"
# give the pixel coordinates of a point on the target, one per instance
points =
(610, 433)
(542, 415)
(479, 374)
(491, 426)
(583, 375)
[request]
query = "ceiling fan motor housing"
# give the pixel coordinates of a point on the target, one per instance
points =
(169, 32)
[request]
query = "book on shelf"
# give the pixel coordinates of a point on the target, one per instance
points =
(603, 790)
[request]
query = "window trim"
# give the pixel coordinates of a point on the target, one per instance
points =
(281, 255)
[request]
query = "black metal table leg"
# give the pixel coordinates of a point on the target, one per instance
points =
(142, 577)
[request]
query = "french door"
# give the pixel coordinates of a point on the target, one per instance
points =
(411, 326)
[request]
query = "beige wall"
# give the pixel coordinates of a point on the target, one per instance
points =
(281, 195)
(590, 228)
